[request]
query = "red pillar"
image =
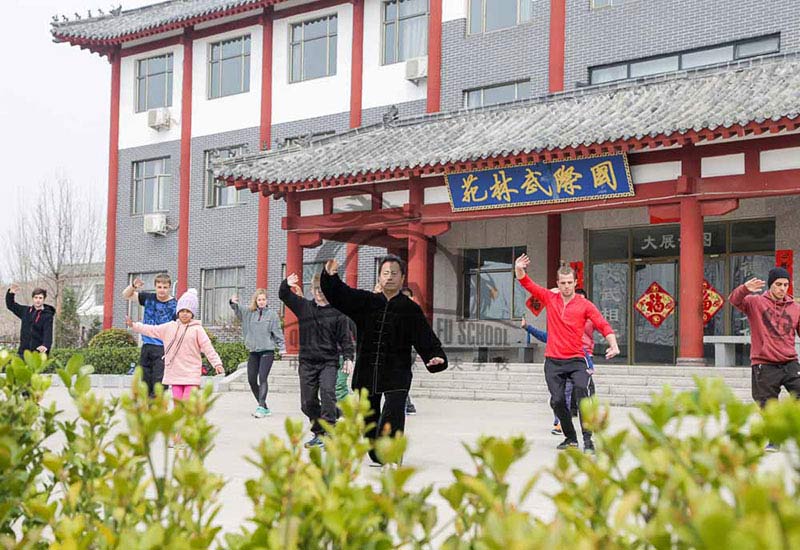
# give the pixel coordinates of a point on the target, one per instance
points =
(351, 265)
(111, 208)
(185, 163)
(691, 283)
(553, 248)
(294, 264)
(357, 64)
(418, 267)
(558, 26)
(434, 57)
(264, 138)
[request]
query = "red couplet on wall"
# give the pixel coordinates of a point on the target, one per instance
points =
(578, 267)
(785, 259)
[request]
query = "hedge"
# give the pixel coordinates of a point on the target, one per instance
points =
(117, 360)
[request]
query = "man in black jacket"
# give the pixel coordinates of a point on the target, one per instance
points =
(388, 323)
(324, 335)
(36, 332)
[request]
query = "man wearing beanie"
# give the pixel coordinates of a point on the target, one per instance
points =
(774, 321)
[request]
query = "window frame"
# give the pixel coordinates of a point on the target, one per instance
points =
(469, 274)
(736, 56)
(209, 319)
(211, 199)
(245, 54)
(137, 184)
(330, 71)
(169, 71)
(396, 23)
(98, 289)
(519, 20)
(482, 90)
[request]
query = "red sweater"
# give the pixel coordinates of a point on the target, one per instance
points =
(566, 323)
(773, 325)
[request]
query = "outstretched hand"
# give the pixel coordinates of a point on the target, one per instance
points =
(612, 351)
(755, 285)
(332, 267)
(435, 361)
(292, 279)
(137, 283)
(520, 265)
(14, 289)
(128, 321)
(523, 323)
(235, 299)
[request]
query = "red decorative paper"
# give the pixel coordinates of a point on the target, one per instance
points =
(656, 304)
(534, 305)
(712, 302)
(785, 259)
(578, 267)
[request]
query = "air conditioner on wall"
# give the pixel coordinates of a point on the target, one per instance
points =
(417, 69)
(158, 119)
(155, 224)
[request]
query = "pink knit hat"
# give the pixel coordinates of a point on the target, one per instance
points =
(189, 301)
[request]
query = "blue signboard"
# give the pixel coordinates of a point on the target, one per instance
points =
(583, 179)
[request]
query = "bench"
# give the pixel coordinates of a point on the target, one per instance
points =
(725, 348)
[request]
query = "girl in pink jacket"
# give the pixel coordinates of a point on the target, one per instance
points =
(184, 340)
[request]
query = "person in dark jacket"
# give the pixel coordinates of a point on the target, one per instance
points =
(388, 324)
(36, 331)
(324, 334)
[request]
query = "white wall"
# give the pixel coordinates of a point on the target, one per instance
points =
(454, 9)
(133, 128)
(383, 84)
(320, 96)
(233, 112)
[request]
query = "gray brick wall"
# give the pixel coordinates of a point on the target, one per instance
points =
(643, 28)
(498, 57)
(137, 251)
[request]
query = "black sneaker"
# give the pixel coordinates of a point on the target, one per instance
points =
(567, 444)
(588, 447)
(374, 460)
(410, 408)
(315, 441)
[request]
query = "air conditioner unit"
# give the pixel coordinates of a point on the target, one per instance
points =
(155, 223)
(158, 119)
(417, 69)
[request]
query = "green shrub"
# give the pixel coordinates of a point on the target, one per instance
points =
(231, 354)
(112, 338)
(105, 360)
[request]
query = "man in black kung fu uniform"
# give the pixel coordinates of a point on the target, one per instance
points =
(388, 324)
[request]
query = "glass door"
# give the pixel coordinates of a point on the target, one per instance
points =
(654, 333)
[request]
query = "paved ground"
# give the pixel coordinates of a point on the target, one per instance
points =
(435, 436)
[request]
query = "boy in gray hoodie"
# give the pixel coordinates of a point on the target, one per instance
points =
(262, 333)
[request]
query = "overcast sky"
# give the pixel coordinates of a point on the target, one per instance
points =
(54, 104)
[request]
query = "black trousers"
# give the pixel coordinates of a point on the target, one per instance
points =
(389, 419)
(556, 374)
(259, 363)
(151, 358)
(767, 380)
(318, 392)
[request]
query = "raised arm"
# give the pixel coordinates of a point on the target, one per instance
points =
(292, 300)
(739, 296)
(538, 292)
(131, 291)
(234, 303)
(153, 331)
(350, 301)
(11, 302)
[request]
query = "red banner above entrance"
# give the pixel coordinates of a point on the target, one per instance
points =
(656, 304)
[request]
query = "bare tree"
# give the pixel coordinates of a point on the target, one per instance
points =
(57, 237)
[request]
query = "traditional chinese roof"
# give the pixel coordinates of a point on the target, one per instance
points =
(121, 26)
(689, 106)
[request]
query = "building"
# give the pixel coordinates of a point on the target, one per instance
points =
(388, 120)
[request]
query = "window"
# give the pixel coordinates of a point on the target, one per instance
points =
(151, 181)
(218, 194)
(99, 290)
(492, 15)
(135, 311)
(313, 49)
(690, 59)
(218, 285)
(606, 3)
(495, 95)
(491, 290)
(154, 82)
(229, 67)
(405, 30)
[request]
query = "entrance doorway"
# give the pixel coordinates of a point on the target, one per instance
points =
(655, 342)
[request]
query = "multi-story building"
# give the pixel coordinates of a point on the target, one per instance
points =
(366, 105)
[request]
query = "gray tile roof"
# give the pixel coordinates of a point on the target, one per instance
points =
(736, 94)
(108, 27)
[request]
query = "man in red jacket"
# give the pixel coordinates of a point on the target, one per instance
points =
(774, 321)
(567, 313)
